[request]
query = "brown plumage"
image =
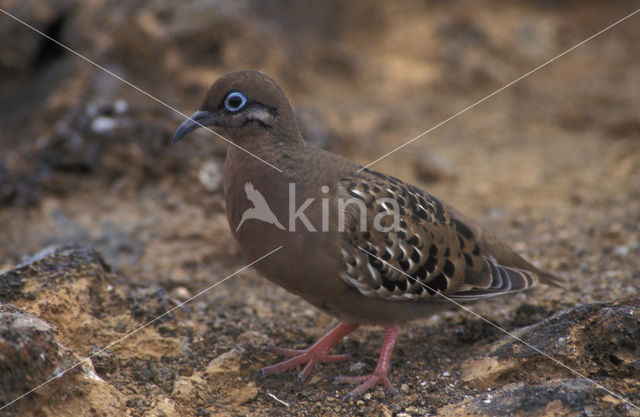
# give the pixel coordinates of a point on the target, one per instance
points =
(368, 247)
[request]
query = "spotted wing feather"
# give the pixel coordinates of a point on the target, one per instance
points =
(428, 248)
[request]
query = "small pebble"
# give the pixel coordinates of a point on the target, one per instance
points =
(356, 366)
(414, 410)
(184, 390)
(120, 106)
(621, 250)
(181, 293)
(103, 124)
(430, 168)
(210, 175)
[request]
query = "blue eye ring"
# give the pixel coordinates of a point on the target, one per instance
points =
(235, 101)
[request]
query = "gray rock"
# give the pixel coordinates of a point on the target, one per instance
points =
(29, 352)
(565, 397)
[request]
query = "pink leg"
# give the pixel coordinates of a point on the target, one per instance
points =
(379, 376)
(317, 353)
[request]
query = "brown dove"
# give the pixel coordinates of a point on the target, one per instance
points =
(358, 244)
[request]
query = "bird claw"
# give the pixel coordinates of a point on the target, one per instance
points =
(296, 357)
(366, 382)
(287, 353)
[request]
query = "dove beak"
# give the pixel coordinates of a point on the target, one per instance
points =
(199, 119)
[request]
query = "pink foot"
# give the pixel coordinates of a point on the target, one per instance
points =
(379, 376)
(317, 353)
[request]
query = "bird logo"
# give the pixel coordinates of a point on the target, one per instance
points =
(260, 209)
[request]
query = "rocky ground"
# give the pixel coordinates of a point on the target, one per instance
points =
(106, 227)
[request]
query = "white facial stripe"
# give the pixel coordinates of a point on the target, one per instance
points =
(259, 113)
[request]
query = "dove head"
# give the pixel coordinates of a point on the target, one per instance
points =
(244, 106)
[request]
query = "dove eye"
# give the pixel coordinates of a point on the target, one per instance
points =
(235, 101)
